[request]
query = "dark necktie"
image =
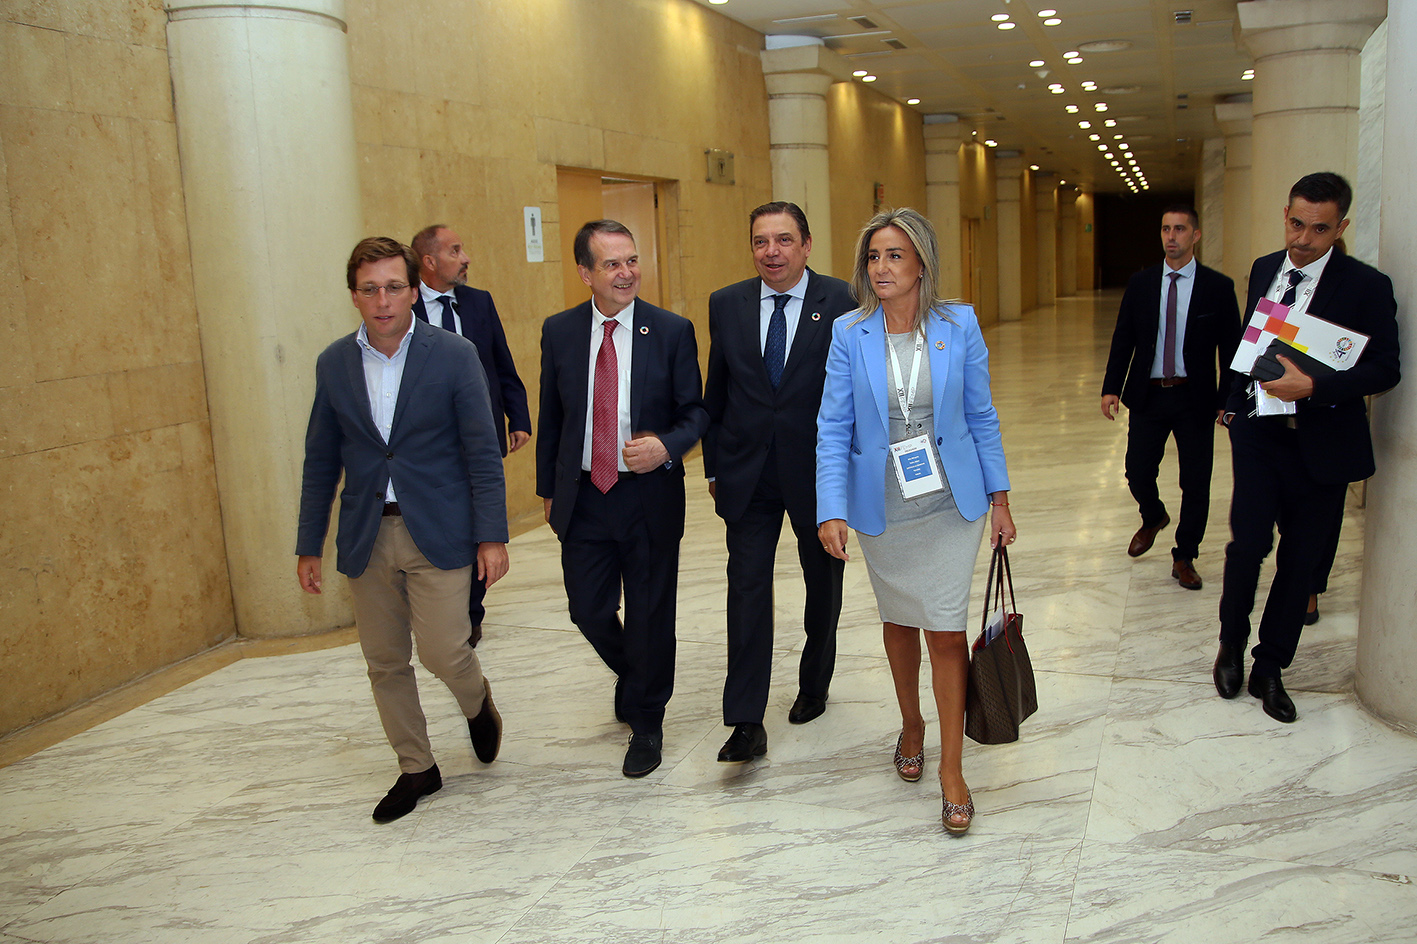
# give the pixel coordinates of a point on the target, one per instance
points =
(775, 349)
(605, 414)
(448, 323)
(1168, 350)
(1295, 277)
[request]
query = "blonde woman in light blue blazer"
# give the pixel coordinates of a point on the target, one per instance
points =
(919, 552)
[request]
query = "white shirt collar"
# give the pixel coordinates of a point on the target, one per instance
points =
(626, 315)
(798, 291)
(1188, 271)
(362, 337)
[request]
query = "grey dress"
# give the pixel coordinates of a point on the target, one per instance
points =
(922, 565)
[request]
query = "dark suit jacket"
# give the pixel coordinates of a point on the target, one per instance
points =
(441, 455)
(1332, 424)
(746, 416)
(666, 398)
(482, 327)
(1212, 324)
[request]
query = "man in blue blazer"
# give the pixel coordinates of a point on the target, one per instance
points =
(401, 408)
(1185, 309)
(469, 311)
(767, 360)
(1293, 471)
(621, 402)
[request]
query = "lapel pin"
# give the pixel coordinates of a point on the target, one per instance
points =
(939, 345)
(644, 329)
(816, 316)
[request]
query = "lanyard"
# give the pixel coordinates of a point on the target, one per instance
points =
(906, 402)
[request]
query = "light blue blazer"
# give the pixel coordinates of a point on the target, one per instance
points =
(853, 424)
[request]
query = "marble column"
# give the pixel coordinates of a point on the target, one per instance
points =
(1306, 96)
(1045, 201)
(1067, 242)
(942, 139)
(1008, 196)
(265, 126)
(1386, 677)
(1236, 254)
(798, 71)
(1210, 202)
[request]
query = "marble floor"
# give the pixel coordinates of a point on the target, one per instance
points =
(1137, 807)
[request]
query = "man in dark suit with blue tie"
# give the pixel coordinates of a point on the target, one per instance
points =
(1292, 471)
(462, 309)
(621, 402)
(767, 362)
(1176, 318)
(401, 409)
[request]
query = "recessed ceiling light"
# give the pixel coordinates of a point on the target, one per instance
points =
(990, 142)
(1071, 109)
(1107, 154)
(1036, 64)
(1100, 106)
(1247, 77)
(1094, 137)
(868, 78)
(1061, 182)
(1102, 147)
(999, 17)
(1126, 153)
(1084, 125)
(1116, 137)
(718, 2)
(1070, 54)
(1089, 86)
(1058, 91)
(860, 72)
(1110, 123)
(1047, 13)
(1055, 85)
(1052, 22)
(1006, 25)
(912, 101)
(1033, 167)
(1105, 45)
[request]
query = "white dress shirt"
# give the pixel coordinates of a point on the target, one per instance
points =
(434, 308)
(621, 337)
(1305, 290)
(382, 377)
(792, 310)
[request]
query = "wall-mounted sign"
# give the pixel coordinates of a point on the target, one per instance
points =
(535, 245)
(720, 166)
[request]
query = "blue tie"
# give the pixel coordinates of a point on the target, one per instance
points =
(448, 323)
(775, 350)
(1295, 277)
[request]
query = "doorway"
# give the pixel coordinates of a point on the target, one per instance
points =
(591, 195)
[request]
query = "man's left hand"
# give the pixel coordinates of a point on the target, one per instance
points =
(645, 454)
(1294, 385)
(491, 561)
(519, 438)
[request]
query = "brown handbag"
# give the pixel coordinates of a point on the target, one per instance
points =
(1001, 690)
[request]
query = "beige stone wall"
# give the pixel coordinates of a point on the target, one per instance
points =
(465, 111)
(111, 554)
(873, 139)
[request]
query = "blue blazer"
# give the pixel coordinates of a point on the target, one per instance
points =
(853, 425)
(482, 327)
(442, 455)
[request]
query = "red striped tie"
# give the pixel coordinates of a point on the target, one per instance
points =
(605, 420)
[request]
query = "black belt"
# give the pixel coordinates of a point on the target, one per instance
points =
(1171, 382)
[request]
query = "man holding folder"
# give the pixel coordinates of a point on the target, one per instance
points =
(1293, 469)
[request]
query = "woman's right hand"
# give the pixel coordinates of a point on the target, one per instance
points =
(832, 534)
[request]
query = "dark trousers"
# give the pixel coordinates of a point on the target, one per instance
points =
(1172, 411)
(1272, 485)
(609, 545)
(752, 549)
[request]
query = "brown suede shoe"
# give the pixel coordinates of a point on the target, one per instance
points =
(1185, 574)
(1145, 536)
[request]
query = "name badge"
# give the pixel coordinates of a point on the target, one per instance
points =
(917, 468)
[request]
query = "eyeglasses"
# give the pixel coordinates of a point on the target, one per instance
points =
(369, 291)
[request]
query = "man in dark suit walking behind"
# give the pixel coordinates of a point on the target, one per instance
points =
(621, 402)
(401, 409)
(462, 309)
(767, 361)
(1175, 318)
(1293, 470)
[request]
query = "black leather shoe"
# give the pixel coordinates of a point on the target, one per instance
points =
(1229, 670)
(747, 741)
(643, 755)
(805, 708)
(486, 729)
(403, 795)
(1270, 691)
(1146, 535)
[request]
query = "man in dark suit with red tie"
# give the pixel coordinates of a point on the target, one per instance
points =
(462, 309)
(1293, 470)
(767, 361)
(621, 402)
(1176, 318)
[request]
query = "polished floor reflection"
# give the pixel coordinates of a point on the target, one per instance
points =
(1138, 806)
